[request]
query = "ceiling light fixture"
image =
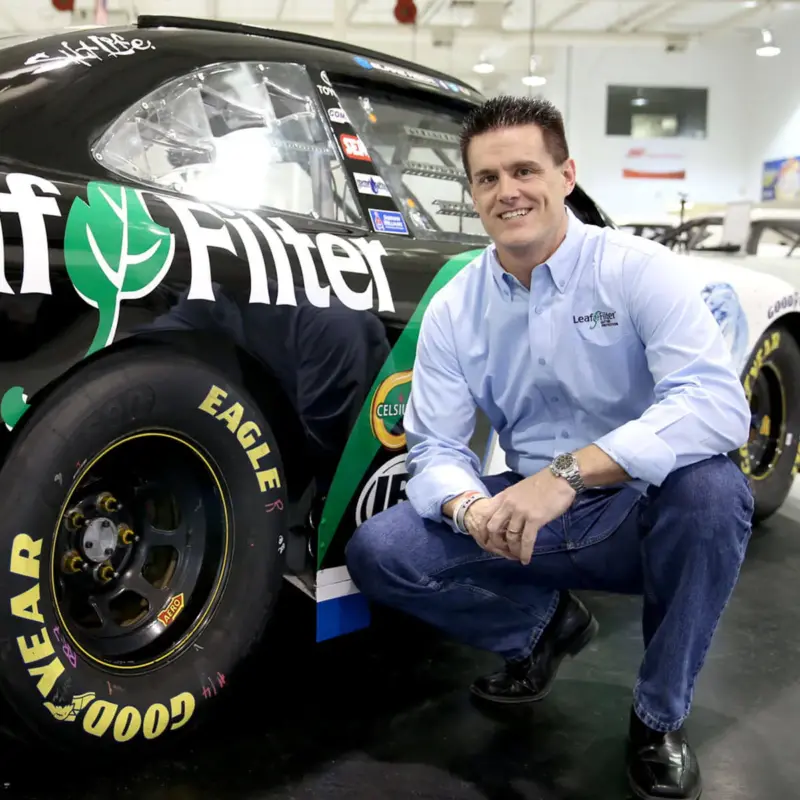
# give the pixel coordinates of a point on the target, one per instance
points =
(484, 67)
(534, 80)
(768, 48)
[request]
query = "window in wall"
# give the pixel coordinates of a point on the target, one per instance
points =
(656, 112)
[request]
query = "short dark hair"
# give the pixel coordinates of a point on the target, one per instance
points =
(507, 111)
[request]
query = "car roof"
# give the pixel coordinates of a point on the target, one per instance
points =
(217, 39)
(148, 21)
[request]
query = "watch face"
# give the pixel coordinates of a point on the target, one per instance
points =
(564, 461)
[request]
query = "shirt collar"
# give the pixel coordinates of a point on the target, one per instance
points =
(561, 264)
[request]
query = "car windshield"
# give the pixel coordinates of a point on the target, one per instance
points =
(415, 149)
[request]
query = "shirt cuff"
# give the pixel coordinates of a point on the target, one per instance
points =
(436, 484)
(639, 451)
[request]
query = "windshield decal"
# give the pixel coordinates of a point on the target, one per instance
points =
(371, 184)
(372, 194)
(388, 221)
(412, 75)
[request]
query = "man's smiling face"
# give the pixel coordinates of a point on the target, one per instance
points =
(517, 187)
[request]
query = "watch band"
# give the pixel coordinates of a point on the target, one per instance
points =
(566, 466)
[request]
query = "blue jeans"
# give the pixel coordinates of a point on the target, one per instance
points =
(680, 546)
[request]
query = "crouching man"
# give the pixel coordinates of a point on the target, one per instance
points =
(612, 391)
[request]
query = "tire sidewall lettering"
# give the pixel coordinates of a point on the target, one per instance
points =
(82, 699)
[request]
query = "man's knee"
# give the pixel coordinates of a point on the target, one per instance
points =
(375, 552)
(714, 493)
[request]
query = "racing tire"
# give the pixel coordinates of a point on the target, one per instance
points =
(771, 455)
(166, 470)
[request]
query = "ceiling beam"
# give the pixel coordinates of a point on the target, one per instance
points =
(652, 12)
(379, 36)
(565, 14)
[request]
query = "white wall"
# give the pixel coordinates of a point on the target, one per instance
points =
(771, 107)
(714, 165)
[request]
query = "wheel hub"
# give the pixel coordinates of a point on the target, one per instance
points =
(99, 540)
(144, 527)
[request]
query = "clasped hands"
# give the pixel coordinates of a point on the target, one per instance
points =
(508, 523)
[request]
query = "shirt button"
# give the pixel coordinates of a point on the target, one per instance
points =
(542, 361)
(565, 434)
(554, 399)
(538, 309)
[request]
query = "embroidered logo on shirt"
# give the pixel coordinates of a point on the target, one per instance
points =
(605, 319)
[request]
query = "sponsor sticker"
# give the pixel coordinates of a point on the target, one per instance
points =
(385, 488)
(371, 184)
(353, 147)
(388, 409)
(338, 115)
(325, 90)
(388, 221)
(411, 75)
(174, 607)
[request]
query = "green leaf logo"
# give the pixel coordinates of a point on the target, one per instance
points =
(113, 250)
(13, 405)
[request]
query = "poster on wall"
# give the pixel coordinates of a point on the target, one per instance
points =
(648, 163)
(781, 179)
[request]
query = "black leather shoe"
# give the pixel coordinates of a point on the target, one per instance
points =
(527, 680)
(661, 765)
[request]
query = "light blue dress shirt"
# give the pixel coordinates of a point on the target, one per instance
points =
(612, 345)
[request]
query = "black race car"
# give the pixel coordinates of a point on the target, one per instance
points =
(218, 243)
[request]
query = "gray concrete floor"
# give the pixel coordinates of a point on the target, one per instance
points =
(386, 714)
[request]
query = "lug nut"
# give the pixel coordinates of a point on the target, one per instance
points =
(106, 573)
(126, 535)
(72, 563)
(75, 519)
(107, 503)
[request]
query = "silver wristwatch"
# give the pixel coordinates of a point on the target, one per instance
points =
(566, 466)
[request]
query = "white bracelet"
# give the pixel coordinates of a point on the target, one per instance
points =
(461, 511)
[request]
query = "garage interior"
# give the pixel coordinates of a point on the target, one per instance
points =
(684, 120)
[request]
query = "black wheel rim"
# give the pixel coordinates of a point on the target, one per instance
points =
(767, 421)
(140, 551)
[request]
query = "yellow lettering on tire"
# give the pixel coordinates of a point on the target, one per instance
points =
(39, 649)
(183, 705)
(48, 675)
(213, 400)
(232, 417)
(25, 554)
(26, 605)
(99, 717)
(127, 724)
(245, 437)
(156, 720)
(247, 434)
